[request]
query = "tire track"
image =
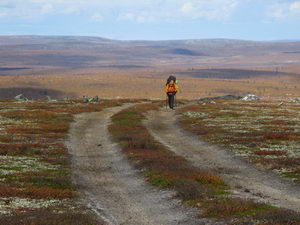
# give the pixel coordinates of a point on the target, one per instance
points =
(246, 180)
(110, 186)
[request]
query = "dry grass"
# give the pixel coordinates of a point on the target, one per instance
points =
(265, 153)
(50, 217)
(36, 193)
(149, 84)
(233, 207)
(274, 217)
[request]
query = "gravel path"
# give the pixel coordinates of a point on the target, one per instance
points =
(110, 185)
(245, 179)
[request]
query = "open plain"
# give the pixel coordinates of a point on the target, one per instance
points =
(127, 159)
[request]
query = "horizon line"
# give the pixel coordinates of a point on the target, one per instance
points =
(158, 40)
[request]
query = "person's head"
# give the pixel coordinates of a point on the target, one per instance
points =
(171, 81)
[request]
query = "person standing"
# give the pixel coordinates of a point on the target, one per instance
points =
(171, 90)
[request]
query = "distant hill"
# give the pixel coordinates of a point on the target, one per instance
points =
(53, 54)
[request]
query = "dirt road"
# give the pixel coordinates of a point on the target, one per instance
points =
(245, 179)
(110, 186)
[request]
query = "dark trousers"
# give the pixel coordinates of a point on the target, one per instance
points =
(171, 99)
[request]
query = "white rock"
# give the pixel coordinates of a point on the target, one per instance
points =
(21, 97)
(250, 97)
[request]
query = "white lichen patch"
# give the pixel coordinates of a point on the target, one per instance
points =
(16, 164)
(5, 121)
(8, 205)
(270, 126)
(194, 114)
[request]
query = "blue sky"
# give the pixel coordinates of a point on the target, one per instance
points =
(153, 19)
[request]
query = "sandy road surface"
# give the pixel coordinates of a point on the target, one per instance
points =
(110, 186)
(245, 179)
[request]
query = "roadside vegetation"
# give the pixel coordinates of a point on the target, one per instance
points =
(35, 172)
(196, 188)
(264, 133)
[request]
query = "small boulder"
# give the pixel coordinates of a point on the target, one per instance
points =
(21, 98)
(294, 100)
(49, 99)
(250, 97)
(94, 99)
(85, 99)
(225, 97)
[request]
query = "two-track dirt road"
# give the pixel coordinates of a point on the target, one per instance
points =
(245, 179)
(118, 194)
(112, 187)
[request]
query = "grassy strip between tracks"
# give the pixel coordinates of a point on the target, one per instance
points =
(196, 188)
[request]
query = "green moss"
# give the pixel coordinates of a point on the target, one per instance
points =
(293, 175)
(160, 181)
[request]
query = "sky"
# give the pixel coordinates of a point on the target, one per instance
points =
(153, 19)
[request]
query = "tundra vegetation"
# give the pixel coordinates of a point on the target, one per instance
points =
(35, 170)
(199, 189)
(265, 133)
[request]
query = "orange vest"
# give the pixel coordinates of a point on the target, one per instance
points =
(171, 88)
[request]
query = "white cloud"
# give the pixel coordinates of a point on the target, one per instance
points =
(132, 10)
(282, 10)
(140, 17)
(3, 14)
(187, 7)
(170, 10)
(212, 10)
(295, 7)
(71, 10)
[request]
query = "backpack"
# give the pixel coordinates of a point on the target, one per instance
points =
(171, 78)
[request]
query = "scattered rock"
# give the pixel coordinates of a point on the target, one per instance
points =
(21, 98)
(226, 97)
(94, 99)
(295, 100)
(86, 99)
(50, 99)
(250, 97)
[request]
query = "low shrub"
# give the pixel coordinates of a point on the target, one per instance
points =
(233, 207)
(36, 192)
(49, 217)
